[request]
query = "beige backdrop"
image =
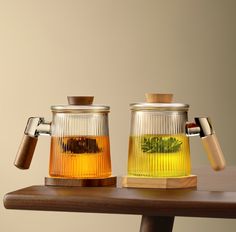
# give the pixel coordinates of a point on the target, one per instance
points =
(117, 51)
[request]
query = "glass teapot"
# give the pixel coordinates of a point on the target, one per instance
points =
(79, 140)
(159, 138)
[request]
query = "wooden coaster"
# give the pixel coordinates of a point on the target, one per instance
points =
(97, 182)
(161, 183)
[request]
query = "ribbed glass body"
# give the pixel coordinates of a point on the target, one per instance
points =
(80, 145)
(158, 146)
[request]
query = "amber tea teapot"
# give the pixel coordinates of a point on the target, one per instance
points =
(79, 140)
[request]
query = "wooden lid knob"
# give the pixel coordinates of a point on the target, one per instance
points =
(80, 100)
(159, 97)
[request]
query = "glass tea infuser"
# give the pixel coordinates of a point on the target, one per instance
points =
(159, 154)
(80, 149)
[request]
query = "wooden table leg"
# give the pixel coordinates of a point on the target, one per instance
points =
(156, 224)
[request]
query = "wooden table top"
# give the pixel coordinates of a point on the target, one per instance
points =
(215, 197)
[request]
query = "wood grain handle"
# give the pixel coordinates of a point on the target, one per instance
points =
(25, 152)
(214, 152)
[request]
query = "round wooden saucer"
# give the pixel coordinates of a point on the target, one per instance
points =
(70, 182)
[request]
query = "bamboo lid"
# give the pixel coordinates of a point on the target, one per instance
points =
(80, 100)
(159, 102)
(159, 97)
(82, 104)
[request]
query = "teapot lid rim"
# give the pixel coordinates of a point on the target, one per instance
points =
(80, 108)
(159, 106)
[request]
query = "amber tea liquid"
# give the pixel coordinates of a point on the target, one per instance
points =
(159, 155)
(80, 157)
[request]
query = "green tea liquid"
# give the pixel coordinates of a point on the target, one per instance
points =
(159, 156)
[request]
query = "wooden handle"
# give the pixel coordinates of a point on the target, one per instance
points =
(214, 152)
(159, 97)
(25, 152)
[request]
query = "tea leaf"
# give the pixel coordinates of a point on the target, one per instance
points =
(158, 144)
(80, 145)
